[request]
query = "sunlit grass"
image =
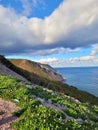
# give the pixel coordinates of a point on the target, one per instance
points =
(33, 115)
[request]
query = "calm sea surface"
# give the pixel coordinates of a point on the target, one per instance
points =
(84, 78)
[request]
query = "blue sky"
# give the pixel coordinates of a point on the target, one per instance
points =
(62, 33)
(37, 8)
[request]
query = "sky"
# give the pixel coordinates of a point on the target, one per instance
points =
(61, 33)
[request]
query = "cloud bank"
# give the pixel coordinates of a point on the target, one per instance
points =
(71, 62)
(88, 60)
(72, 25)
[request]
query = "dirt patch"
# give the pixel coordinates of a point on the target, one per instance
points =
(6, 116)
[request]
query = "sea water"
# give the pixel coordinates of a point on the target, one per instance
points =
(84, 78)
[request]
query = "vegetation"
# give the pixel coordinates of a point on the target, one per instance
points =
(31, 67)
(44, 109)
(54, 85)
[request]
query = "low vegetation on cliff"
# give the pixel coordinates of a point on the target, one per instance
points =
(47, 83)
(45, 109)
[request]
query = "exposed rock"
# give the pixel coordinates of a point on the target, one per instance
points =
(52, 72)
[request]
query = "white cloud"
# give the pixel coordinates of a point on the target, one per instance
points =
(94, 50)
(84, 58)
(49, 60)
(53, 51)
(30, 5)
(71, 62)
(73, 24)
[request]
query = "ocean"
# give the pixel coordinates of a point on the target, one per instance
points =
(84, 78)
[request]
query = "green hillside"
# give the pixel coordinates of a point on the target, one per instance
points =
(53, 85)
(30, 67)
(44, 109)
(42, 70)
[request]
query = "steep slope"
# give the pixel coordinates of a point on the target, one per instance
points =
(44, 109)
(42, 70)
(7, 71)
(35, 78)
(8, 68)
(53, 85)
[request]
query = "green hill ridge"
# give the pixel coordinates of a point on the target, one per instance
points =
(50, 84)
(42, 70)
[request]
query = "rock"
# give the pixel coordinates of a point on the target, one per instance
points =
(16, 100)
(80, 121)
(29, 86)
(52, 72)
(49, 101)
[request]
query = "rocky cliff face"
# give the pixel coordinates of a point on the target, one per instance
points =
(42, 70)
(52, 72)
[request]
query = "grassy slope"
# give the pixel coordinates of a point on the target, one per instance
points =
(34, 115)
(54, 85)
(31, 67)
(28, 75)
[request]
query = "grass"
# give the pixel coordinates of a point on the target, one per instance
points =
(31, 67)
(33, 115)
(53, 85)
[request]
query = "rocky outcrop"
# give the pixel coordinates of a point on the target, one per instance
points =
(52, 72)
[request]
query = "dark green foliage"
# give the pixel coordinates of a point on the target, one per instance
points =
(20, 112)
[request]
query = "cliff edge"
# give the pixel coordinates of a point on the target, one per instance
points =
(43, 70)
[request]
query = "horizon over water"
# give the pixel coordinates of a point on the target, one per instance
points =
(84, 78)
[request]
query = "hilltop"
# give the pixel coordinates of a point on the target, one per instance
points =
(35, 72)
(42, 70)
(38, 69)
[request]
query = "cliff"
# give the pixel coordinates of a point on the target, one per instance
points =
(31, 71)
(42, 70)
(8, 68)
